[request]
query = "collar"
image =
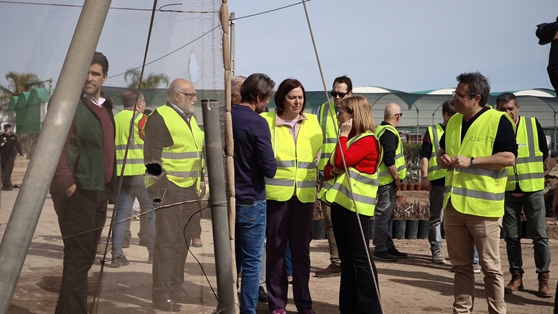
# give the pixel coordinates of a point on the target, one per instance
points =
(97, 102)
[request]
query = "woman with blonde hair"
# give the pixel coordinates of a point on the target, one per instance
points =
(351, 191)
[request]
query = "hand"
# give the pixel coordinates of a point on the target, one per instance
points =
(446, 160)
(461, 162)
(346, 127)
(397, 184)
(203, 188)
(337, 171)
(425, 184)
(70, 191)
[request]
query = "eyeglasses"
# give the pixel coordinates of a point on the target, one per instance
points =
(191, 96)
(335, 94)
(458, 95)
(399, 114)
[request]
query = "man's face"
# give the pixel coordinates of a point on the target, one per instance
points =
(140, 105)
(8, 131)
(94, 81)
(339, 91)
(260, 106)
(510, 108)
(186, 97)
(464, 102)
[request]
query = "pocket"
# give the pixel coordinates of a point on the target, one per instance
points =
(247, 214)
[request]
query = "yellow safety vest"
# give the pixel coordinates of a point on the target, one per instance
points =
(330, 132)
(183, 160)
(296, 166)
(364, 187)
(529, 163)
(134, 161)
(434, 170)
(475, 191)
(384, 177)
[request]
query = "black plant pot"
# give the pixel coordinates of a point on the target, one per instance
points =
(423, 229)
(318, 229)
(411, 229)
(398, 229)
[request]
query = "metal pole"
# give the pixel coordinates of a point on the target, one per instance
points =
(232, 44)
(30, 200)
(218, 203)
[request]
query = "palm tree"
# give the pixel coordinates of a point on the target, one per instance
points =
(17, 84)
(152, 80)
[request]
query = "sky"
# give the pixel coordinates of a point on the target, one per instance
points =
(405, 45)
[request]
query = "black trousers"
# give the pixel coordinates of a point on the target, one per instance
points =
(172, 239)
(7, 163)
(357, 293)
(81, 218)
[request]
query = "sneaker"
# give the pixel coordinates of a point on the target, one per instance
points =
(331, 270)
(395, 252)
(262, 295)
(438, 257)
(546, 32)
(476, 268)
(308, 311)
(196, 242)
(279, 310)
(118, 261)
(384, 256)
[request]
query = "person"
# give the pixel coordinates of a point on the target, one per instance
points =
(391, 172)
(478, 145)
(133, 185)
(327, 112)
(85, 169)
(254, 161)
(353, 200)
(173, 158)
(9, 148)
(296, 139)
(433, 180)
(525, 190)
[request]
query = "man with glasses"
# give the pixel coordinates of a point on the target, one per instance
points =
(327, 116)
(476, 149)
(391, 172)
(173, 158)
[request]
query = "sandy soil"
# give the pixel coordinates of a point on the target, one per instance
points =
(412, 285)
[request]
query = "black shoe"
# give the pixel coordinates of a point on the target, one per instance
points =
(393, 251)
(166, 305)
(546, 32)
(181, 297)
(262, 295)
(384, 256)
(119, 261)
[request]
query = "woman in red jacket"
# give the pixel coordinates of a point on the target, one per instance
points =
(351, 191)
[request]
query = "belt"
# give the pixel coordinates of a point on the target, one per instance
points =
(246, 202)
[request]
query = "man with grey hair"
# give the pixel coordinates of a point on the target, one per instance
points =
(236, 83)
(173, 158)
(391, 172)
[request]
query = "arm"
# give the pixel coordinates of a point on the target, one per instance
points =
(157, 136)
(63, 177)
(262, 136)
(426, 153)
(553, 65)
(543, 146)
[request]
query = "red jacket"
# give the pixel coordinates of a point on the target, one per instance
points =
(363, 155)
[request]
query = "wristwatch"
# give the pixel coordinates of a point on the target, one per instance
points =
(472, 162)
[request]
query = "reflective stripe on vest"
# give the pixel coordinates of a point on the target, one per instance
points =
(434, 170)
(296, 164)
(475, 191)
(329, 131)
(529, 163)
(364, 187)
(385, 177)
(182, 161)
(134, 160)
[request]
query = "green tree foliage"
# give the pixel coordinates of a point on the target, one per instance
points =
(17, 84)
(152, 80)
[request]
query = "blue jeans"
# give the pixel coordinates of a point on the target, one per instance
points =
(289, 260)
(436, 198)
(383, 218)
(475, 255)
(133, 187)
(250, 234)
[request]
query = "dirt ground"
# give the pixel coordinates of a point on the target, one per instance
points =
(412, 285)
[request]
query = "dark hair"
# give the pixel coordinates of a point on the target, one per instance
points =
(100, 59)
(129, 98)
(478, 85)
(284, 88)
(448, 107)
(257, 84)
(344, 80)
(506, 97)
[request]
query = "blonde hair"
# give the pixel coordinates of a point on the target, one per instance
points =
(362, 113)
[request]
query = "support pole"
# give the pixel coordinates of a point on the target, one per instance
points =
(30, 200)
(233, 59)
(218, 204)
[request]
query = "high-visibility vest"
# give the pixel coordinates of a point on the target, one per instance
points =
(475, 191)
(434, 170)
(183, 160)
(364, 187)
(529, 163)
(296, 166)
(330, 132)
(384, 177)
(134, 160)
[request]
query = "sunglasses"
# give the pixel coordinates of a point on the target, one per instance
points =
(335, 94)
